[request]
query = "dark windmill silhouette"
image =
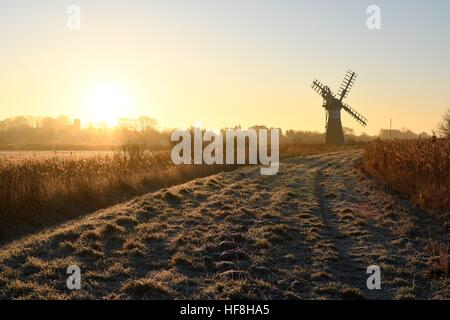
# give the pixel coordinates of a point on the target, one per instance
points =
(333, 105)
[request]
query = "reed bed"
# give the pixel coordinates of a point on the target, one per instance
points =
(417, 169)
(39, 191)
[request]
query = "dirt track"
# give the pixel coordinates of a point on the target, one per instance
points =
(309, 232)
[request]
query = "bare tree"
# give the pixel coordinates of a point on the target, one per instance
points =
(348, 131)
(444, 125)
(145, 123)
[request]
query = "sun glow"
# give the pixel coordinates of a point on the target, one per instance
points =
(106, 103)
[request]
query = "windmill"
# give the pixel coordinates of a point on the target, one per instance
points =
(333, 105)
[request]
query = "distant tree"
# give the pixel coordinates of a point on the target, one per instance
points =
(349, 131)
(63, 121)
(365, 135)
(423, 135)
(145, 123)
(4, 124)
(49, 123)
(307, 137)
(444, 125)
(20, 122)
(32, 121)
(125, 124)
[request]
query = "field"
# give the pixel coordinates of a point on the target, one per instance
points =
(309, 232)
(417, 169)
(44, 188)
(18, 156)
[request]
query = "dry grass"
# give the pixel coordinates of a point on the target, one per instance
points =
(438, 252)
(239, 235)
(288, 150)
(417, 169)
(39, 191)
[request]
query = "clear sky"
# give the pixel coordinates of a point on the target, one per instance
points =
(226, 62)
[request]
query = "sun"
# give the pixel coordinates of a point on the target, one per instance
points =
(106, 103)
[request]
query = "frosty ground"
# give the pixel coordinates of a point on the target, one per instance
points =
(308, 232)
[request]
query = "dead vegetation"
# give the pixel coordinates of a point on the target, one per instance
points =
(240, 235)
(417, 169)
(40, 191)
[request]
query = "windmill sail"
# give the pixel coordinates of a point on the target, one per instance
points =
(361, 119)
(318, 86)
(347, 84)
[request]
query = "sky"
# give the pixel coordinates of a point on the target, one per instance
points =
(222, 63)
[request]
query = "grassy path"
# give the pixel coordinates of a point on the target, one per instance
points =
(309, 232)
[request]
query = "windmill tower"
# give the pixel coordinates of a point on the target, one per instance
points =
(333, 104)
